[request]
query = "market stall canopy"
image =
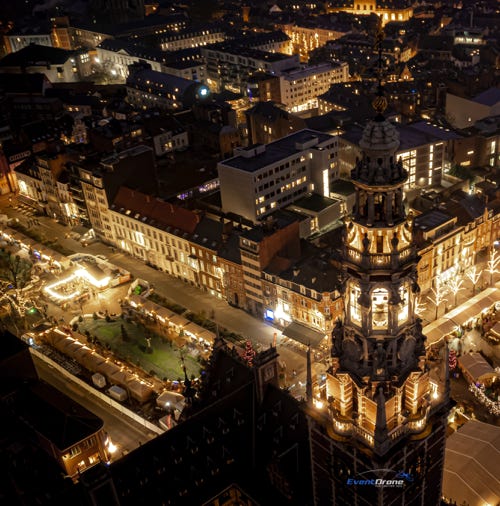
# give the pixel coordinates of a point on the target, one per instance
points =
(92, 361)
(476, 368)
(173, 399)
(471, 470)
(178, 320)
(303, 334)
(149, 306)
(207, 336)
(120, 377)
(108, 369)
(164, 313)
(193, 329)
(139, 390)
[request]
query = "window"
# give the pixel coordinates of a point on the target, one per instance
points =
(380, 316)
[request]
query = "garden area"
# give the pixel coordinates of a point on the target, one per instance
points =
(133, 342)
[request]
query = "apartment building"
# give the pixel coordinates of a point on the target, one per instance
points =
(448, 255)
(450, 235)
(299, 88)
(276, 174)
(273, 42)
(15, 41)
(147, 89)
(306, 294)
(191, 37)
(59, 65)
(101, 181)
(424, 149)
(116, 55)
(44, 184)
(229, 65)
(259, 246)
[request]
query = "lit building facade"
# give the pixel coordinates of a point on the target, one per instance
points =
(229, 65)
(387, 10)
(299, 88)
(258, 247)
(277, 174)
(387, 410)
(303, 294)
(424, 151)
(307, 38)
(188, 38)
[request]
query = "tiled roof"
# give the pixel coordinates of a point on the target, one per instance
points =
(154, 211)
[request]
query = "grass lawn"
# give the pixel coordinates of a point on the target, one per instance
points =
(163, 362)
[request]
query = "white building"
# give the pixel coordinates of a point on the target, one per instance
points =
(276, 174)
(300, 87)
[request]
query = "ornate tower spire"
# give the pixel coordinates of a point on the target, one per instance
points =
(379, 382)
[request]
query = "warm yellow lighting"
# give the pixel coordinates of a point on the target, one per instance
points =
(318, 404)
(111, 447)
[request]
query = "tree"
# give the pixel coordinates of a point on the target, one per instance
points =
(493, 263)
(420, 306)
(452, 359)
(15, 275)
(455, 285)
(474, 275)
(437, 297)
(249, 353)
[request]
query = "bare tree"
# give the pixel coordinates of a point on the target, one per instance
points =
(455, 285)
(493, 263)
(437, 297)
(474, 275)
(420, 306)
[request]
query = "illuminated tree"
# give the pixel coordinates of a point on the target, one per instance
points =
(15, 276)
(437, 297)
(420, 306)
(249, 353)
(455, 285)
(474, 275)
(452, 359)
(493, 263)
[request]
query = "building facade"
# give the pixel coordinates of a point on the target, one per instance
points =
(299, 88)
(279, 173)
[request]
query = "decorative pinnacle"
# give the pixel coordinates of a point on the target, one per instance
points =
(380, 102)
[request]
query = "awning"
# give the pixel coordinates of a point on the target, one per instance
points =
(303, 334)
(178, 320)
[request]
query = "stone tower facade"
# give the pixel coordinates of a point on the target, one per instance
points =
(385, 428)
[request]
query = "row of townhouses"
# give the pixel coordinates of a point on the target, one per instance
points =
(276, 256)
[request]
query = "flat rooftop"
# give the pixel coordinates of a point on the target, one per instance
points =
(314, 203)
(275, 151)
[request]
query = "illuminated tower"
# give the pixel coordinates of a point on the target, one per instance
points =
(386, 407)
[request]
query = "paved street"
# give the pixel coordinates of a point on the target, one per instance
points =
(124, 432)
(235, 320)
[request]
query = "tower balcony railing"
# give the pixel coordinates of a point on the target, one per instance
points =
(378, 260)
